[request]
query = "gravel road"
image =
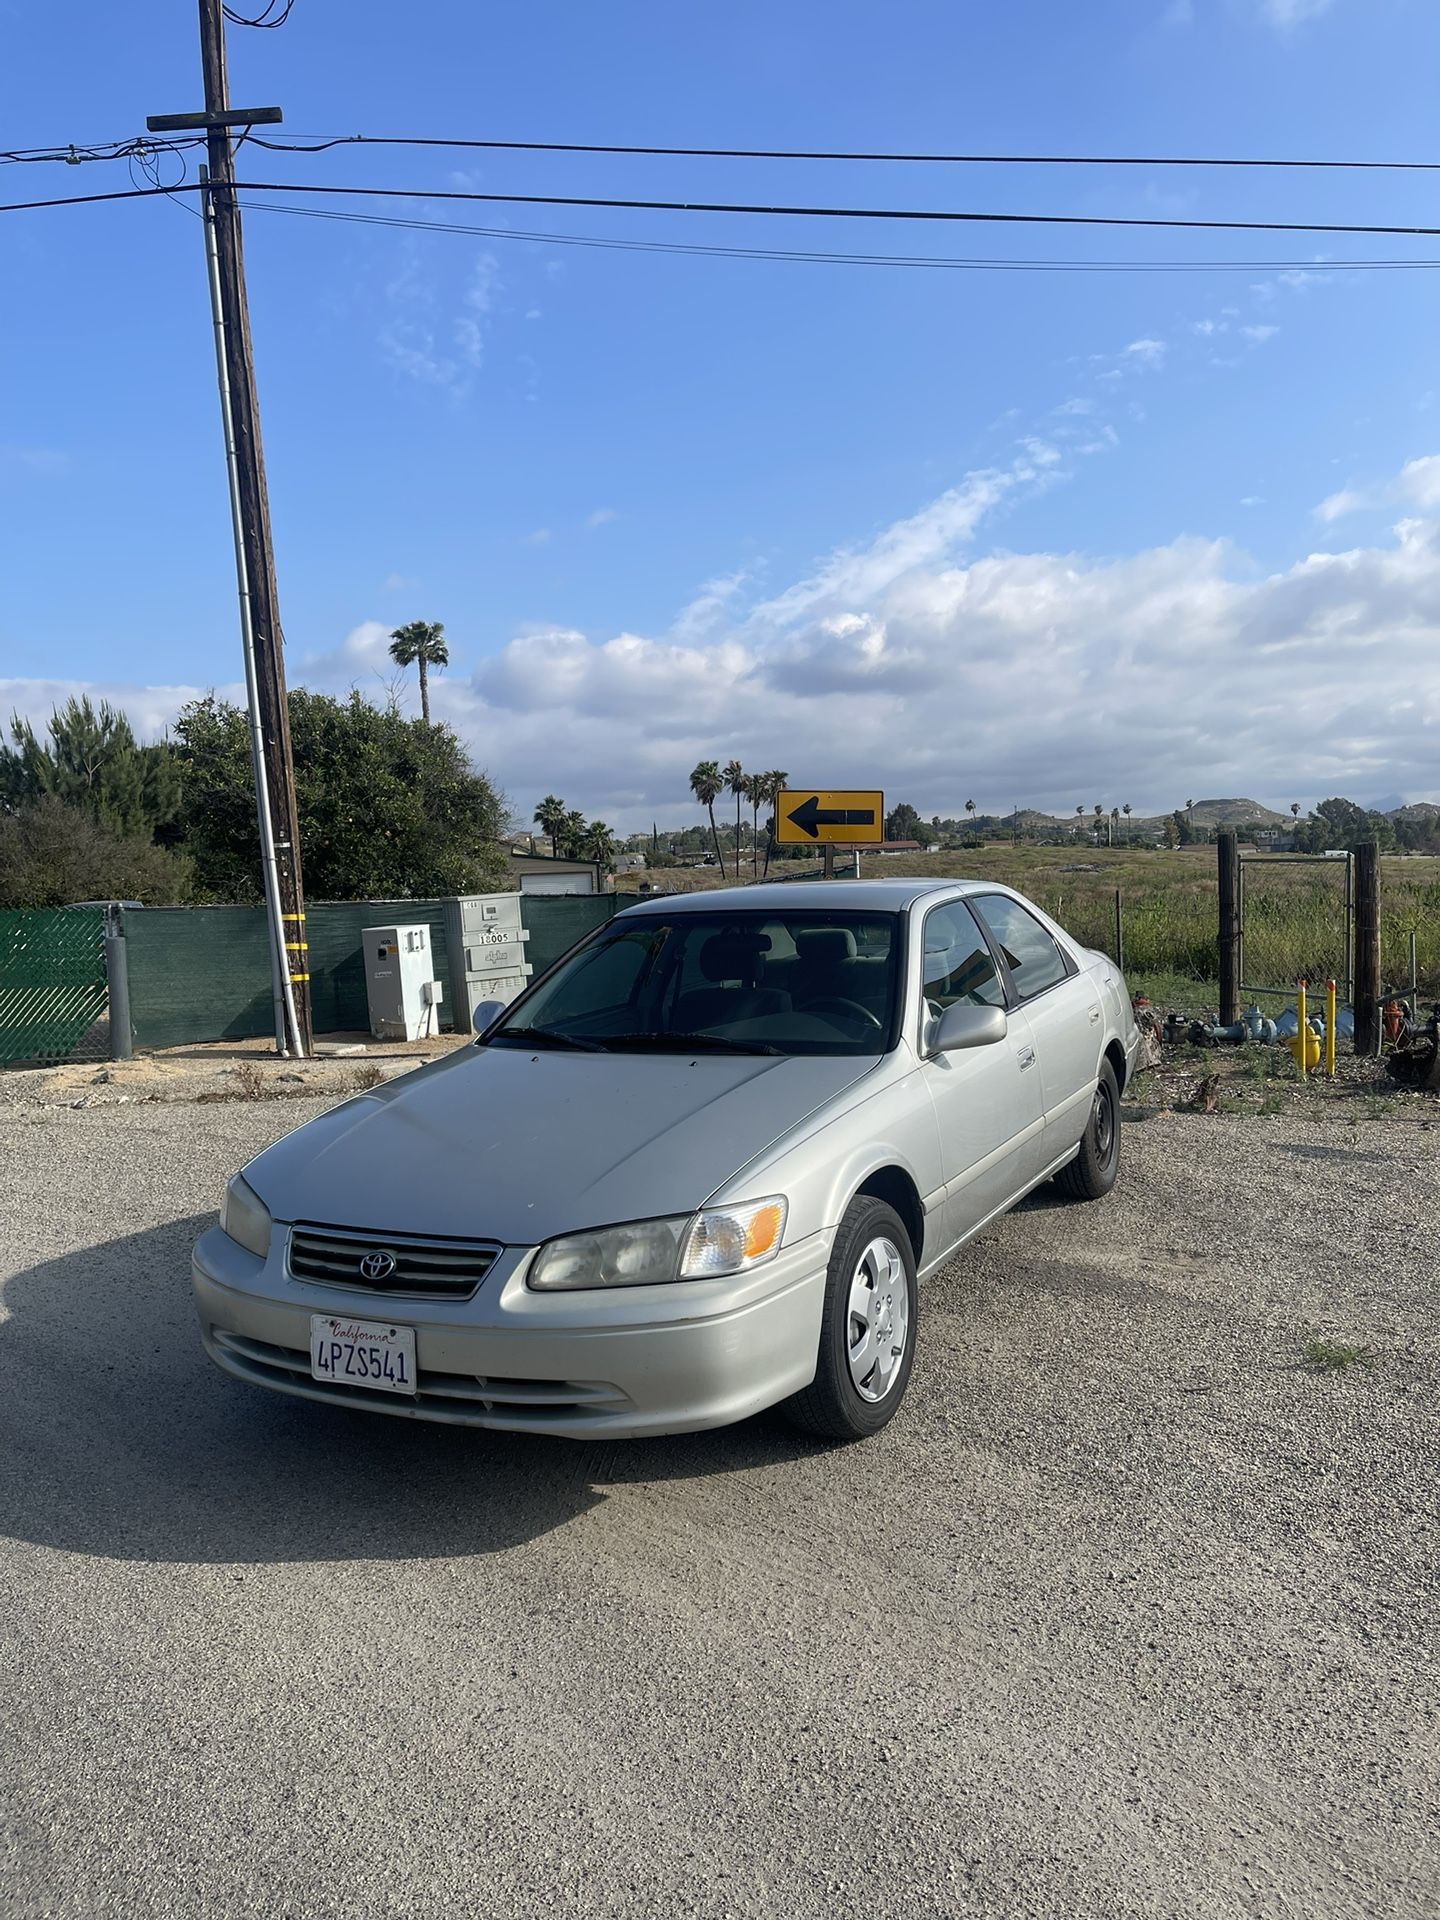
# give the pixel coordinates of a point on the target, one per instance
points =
(1129, 1613)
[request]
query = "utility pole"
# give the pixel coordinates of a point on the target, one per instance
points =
(254, 553)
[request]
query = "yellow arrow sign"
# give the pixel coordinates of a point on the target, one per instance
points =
(811, 817)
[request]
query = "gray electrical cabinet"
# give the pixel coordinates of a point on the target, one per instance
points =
(400, 984)
(486, 944)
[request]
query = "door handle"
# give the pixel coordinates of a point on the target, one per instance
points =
(1026, 1057)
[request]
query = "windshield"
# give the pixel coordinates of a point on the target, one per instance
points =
(800, 981)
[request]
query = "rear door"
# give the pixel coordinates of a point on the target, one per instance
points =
(987, 1099)
(1063, 1005)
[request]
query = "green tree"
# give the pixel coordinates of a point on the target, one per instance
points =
(1171, 830)
(91, 760)
(572, 834)
(1344, 823)
(422, 644)
(550, 818)
(707, 783)
(774, 784)
(389, 808)
(52, 854)
(903, 822)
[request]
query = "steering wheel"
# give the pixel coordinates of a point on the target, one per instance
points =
(834, 1003)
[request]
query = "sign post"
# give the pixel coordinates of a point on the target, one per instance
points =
(828, 818)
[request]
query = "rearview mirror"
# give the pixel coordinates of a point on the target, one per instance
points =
(965, 1025)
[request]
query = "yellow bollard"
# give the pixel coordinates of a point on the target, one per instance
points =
(1330, 1028)
(1302, 1032)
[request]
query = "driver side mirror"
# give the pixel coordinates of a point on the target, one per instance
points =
(965, 1025)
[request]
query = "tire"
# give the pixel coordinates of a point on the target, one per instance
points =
(872, 1256)
(1092, 1173)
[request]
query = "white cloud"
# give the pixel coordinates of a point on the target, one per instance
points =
(36, 462)
(601, 517)
(1253, 500)
(905, 663)
(1146, 353)
(541, 537)
(428, 332)
(1419, 482)
(1259, 334)
(1286, 14)
(1335, 506)
(398, 583)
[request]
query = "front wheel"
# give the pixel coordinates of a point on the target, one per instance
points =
(1091, 1174)
(867, 1327)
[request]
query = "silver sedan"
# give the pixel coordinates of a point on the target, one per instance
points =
(696, 1170)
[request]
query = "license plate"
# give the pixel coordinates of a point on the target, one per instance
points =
(362, 1353)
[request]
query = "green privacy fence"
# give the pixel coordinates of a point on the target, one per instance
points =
(557, 920)
(52, 984)
(203, 973)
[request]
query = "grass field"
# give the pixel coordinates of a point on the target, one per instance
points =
(1294, 915)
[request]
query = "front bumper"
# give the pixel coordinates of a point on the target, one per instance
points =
(617, 1364)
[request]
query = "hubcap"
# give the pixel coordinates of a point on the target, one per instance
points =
(878, 1327)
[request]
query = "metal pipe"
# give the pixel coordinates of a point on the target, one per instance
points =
(117, 984)
(287, 1026)
(1302, 1031)
(1330, 1017)
(1414, 983)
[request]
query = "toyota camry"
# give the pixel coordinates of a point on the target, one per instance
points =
(697, 1169)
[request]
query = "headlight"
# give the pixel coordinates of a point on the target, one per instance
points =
(701, 1246)
(245, 1217)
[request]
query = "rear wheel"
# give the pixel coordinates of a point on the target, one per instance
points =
(1091, 1174)
(867, 1327)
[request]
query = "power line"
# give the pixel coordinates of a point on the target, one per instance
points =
(846, 213)
(947, 215)
(937, 261)
(96, 150)
(792, 153)
(260, 20)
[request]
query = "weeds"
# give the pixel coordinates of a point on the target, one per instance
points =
(366, 1077)
(1323, 1355)
(249, 1082)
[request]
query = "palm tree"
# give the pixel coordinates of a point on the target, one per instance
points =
(970, 809)
(1294, 809)
(423, 643)
(1099, 816)
(755, 793)
(734, 775)
(1190, 814)
(1114, 823)
(1126, 811)
(550, 818)
(572, 834)
(598, 844)
(707, 784)
(775, 784)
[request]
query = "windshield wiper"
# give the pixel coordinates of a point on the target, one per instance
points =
(548, 1037)
(689, 1043)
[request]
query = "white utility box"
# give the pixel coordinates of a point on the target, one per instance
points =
(400, 982)
(486, 945)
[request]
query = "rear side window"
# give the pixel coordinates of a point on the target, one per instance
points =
(1034, 960)
(958, 962)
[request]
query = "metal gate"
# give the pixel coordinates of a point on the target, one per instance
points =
(52, 986)
(1297, 922)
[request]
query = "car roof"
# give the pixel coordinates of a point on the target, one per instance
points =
(878, 896)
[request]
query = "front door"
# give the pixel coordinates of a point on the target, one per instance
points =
(1066, 1019)
(988, 1100)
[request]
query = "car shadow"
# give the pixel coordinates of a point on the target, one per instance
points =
(119, 1438)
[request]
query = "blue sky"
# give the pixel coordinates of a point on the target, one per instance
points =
(1023, 536)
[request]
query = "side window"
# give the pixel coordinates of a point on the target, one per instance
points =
(1034, 960)
(958, 964)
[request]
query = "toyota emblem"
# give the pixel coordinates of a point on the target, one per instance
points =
(377, 1266)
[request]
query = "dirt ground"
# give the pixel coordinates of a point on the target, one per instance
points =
(1130, 1614)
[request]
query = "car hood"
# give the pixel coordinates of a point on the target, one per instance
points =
(502, 1144)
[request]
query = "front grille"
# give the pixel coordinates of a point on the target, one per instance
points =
(464, 1399)
(422, 1269)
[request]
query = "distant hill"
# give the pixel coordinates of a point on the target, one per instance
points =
(1207, 814)
(1417, 810)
